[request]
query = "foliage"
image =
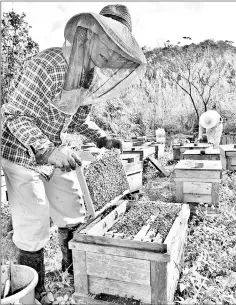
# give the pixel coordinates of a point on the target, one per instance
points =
(16, 47)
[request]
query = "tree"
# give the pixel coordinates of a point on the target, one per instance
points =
(16, 48)
(197, 71)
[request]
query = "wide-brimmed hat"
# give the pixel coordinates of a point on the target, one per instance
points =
(209, 119)
(115, 20)
(119, 13)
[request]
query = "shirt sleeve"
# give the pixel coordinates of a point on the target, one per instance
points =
(81, 123)
(25, 104)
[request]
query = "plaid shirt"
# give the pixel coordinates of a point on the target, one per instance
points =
(30, 120)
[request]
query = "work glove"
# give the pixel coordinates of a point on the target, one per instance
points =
(61, 157)
(200, 140)
(109, 143)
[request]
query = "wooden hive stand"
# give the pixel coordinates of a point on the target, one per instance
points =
(142, 268)
(198, 181)
(205, 154)
(228, 156)
(191, 146)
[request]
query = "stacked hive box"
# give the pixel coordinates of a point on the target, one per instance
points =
(207, 154)
(134, 171)
(198, 181)
(191, 146)
(228, 156)
(143, 268)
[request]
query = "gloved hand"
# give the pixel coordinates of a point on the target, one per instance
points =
(62, 157)
(109, 143)
(200, 140)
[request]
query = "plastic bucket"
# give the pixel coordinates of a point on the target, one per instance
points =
(24, 280)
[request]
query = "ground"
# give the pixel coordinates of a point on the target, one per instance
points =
(208, 273)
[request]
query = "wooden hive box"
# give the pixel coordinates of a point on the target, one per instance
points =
(191, 146)
(134, 171)
(198, 181)
(197, 154)
(139, 269)
(144, 151)
(228, 156)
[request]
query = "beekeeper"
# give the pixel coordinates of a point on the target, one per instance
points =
(54, 94)
(212, 123)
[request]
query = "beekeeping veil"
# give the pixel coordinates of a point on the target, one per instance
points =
(116, 64)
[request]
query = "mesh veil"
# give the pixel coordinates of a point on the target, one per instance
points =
(87, 83)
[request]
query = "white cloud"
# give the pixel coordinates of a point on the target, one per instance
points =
(153, 22)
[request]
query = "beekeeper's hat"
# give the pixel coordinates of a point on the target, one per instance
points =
(209, 119)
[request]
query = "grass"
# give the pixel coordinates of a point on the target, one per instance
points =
(209, 269)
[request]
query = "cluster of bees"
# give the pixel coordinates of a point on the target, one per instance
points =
(106, 178)
(138, 215)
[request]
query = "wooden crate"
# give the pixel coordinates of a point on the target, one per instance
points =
(143, 270)
(191, 146)
(228, 156)
(134, 171)
(198, 181)
(208, 154)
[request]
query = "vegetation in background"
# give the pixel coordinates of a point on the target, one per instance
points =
(16, 47)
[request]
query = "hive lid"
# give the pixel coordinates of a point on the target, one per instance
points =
(103, 181)
(200, 145)
(199, 165)
(198, 152)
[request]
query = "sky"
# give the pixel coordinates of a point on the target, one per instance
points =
(153, 22)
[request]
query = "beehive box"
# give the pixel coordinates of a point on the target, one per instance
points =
(134, 171)
(144, 151)
(198, 181)
(228, 156)
(206, 154)
(142, 268)
(191, 146)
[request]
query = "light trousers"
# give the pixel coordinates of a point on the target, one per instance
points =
(33, 200)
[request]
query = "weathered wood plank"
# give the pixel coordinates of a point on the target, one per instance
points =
(134, 152)
(130, 157)
(177, 255)
(199, 165)
(197, 188)
(197, 198)
(123, 289)
(135, 181)
(109, 241)
(193, 173)
(143, 231)
(158, 283)
(196, 179)
(110, 250)
(179, 196)
(80, 272)
(107, 222)
(175, 241)
(86, 300)
(181, 218)
(133, 167)
(158, 166)
(85, 190)
(215, 193)
(118, 268)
